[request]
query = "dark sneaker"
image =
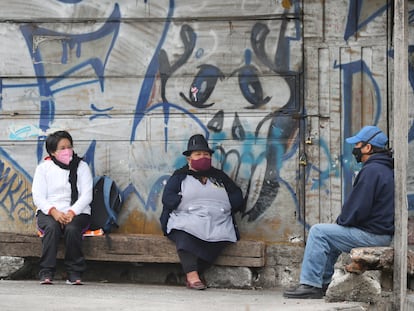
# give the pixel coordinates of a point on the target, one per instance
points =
(46, 279)
(304, 292)
(76, 282)
(74, 279)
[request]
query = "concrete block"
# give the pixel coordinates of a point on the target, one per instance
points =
(267, 277)
(10, 265)
(365, 287)
(229, 277)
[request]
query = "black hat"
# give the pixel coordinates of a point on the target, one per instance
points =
(197, 143)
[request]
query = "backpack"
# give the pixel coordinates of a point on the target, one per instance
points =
(106, 204)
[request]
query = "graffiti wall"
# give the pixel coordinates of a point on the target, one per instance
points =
(347, 86)
(276, 86)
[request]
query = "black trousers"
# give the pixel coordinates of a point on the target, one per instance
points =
(72, 235)
(191, 262)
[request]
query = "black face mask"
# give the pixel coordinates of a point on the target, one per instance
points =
(357, 151)
(357, 154)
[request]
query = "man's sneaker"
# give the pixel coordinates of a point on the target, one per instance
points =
(74, 279)
(304, 292)
(76, 282)
(46, 279)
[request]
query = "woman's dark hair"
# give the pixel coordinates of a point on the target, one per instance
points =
(53, 139)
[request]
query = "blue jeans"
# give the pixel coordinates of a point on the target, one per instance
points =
(324, 245)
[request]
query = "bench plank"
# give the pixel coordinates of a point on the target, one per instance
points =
(133, 248)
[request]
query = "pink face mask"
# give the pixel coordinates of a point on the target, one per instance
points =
(64, 156)
(202, 164)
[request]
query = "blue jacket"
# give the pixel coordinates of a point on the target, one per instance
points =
(370, 205)
(171, 197)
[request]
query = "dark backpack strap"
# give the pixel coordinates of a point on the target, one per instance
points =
(107, 192)
(107, 188)
(95, 180)
(107, 185)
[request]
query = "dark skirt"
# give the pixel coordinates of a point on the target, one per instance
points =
(208, 251)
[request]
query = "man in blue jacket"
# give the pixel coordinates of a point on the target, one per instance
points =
(366, 219)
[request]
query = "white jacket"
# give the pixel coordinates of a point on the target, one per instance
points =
(51, 188)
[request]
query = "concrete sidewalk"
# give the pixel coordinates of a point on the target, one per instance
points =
(29, 295)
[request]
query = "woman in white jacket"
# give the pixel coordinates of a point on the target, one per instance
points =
(62, 192)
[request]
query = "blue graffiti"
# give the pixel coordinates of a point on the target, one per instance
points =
(250, 85)
(14, 195)
(100, 112)
(69, 41)
(355, 22)
(150, 77)
(155, 194)
(70, 1)
(203, 85)
(349, 71)
(89, 157)
(411, 133)
(161, 64)
(282, 129)
(24, 133)
(1, 93)
(322, 174)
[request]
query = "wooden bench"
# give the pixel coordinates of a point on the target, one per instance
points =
(140, 248)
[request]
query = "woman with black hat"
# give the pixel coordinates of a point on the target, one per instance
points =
(199, 202)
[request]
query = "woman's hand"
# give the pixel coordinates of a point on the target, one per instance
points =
(69, 216)
(60, 217)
